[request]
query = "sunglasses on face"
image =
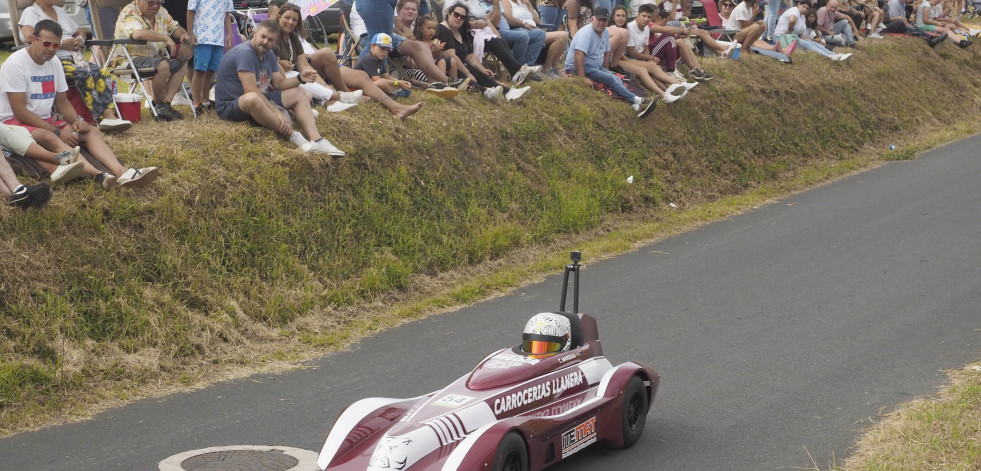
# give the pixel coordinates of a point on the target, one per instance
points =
(458, 15)
(48, 44)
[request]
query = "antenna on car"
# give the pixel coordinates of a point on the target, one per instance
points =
(576, 256)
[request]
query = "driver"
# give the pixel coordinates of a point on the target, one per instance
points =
(546, 333)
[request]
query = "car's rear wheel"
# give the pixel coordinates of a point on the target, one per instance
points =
(634, 414)
(511, 454)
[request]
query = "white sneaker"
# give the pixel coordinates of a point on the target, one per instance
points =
(69, 156)
(732, 47)
(68, 172)
(180, 99)
(137, 177)
(338, 106)
(674, 88)
(516, 94)
(645, 107)
(114, 125)
(677, 75)
(524, 73)
(316, 114)
(669, 98)
(874, 36)
(351, 97)
(689, 85)
(879, 28)
(840, 57)
(324, 146)
(494, 94)
(300, 141)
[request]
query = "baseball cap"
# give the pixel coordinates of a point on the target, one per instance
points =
(601, 13)
(383, 40)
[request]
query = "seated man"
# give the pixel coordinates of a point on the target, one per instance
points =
(147, 20)
(835, 27)
(32, 85)
(252, 87)
(590, 55)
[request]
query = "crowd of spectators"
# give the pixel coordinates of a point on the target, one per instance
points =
(276, 77)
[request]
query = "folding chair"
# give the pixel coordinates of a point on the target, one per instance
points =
(125, 69)
(714, 21)
(348, 45)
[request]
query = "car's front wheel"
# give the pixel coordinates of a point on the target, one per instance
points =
(634, 415)
(511, 454)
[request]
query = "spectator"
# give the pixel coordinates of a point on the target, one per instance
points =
(107, 18)
(376, 66)
(19, 196)
(644, 66)
(252, 87)
(773, 10)
(635, 7)
(552, 14)
(377, 18)
(792, 25)
(664, 46)
(925, 22)
(589, 57)
(425, 31)
(681, 9)
(487, 37)
(292, 59)
(33, 85)
(855, 10)
(96, 94)
(207, 21)
(743, 18)
(943, 13)
(454, 31)
(18, 141)
(518, 27)
(147, 20)
(406, 13)
(555, 41)
(873, 18)
(620, 17)
(835, 27)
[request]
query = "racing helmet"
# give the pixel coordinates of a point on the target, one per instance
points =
(546, 333)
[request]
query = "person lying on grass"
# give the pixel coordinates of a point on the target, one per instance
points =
(253, 88)
(376, 66)
(33, 85)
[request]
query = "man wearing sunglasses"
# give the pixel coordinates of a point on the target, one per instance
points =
(147, 20)
(33, 85)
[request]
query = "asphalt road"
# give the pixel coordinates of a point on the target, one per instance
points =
(778, 334)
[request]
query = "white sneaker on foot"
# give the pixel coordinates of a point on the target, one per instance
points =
(674, 88)
(68, 172)
(669, 98)
(137, 177)
(114, 125)
(69, 156)
(524, 73)
(840, 57)
(495, 94)
(300, 141)
(516, 94)
(338, 106)
(677, 75)
(324, 146)
(874, 36)
(351, 97)
(689, 85)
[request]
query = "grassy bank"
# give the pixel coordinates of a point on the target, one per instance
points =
(249, 254)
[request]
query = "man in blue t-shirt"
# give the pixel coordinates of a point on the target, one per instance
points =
(589, 55)
(252, 87)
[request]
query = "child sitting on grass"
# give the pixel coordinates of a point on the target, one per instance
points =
(375, 65)
(425, 31)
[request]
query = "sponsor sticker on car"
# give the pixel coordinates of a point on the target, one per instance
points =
(579, 437)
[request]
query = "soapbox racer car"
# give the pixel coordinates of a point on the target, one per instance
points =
(514, 411)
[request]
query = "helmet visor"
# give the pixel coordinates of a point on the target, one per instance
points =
(538, 344)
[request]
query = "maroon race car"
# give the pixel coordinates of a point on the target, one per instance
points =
(522, 408)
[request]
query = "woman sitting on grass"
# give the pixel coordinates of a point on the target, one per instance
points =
(454, 31)
(90, 81)
(293, 59)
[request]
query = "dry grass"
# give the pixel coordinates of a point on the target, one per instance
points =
(248, 254)
(939, 432)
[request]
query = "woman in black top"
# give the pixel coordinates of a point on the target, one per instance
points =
(455, 32)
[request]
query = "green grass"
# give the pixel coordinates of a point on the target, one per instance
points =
(249, 254)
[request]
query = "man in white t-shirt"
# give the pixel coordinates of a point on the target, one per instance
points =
(743, 18)
(639, 61)
(31, 83)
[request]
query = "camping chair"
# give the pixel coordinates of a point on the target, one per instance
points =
(348, 45)
(125, 69)
(714, 21)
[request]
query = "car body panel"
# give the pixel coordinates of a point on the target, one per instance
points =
(559, 404)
